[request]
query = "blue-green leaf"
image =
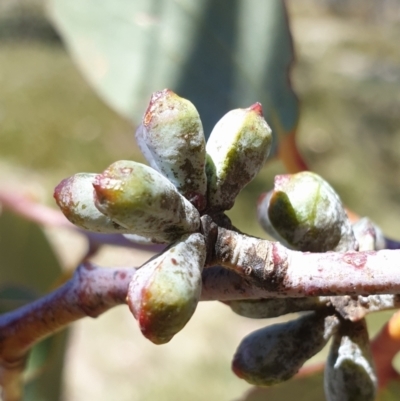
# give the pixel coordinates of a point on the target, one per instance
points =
(220, 55)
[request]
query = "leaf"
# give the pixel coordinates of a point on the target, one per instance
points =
(28, 269)
(220, 55)
(309, 388)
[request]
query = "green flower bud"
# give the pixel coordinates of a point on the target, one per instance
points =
(349, 371)
(237, 149)
(263, 218)
(75, 197)
(172, 140)
(164, 292)
(144, 201)
(275, 353)
(273, 307)
(306, 211)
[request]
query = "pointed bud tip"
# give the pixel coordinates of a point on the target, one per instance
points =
(105, 190)
(257, 107)
(156, 97)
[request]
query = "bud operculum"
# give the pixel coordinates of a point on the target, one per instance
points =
(349, 372)
(237, 149)
(275, 353)
(164, 292)
(145, 202)
(171, 138)
(306, 211)
(75, 197)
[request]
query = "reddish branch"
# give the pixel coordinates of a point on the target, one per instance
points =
(90, 292)
(278, 271)
(254, 268)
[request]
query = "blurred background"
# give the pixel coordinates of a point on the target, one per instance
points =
(52, 125)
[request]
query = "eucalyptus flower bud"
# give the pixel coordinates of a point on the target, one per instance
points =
(237, 149)
(164, 293)
(171, 138)
(75, 197)
(306, 211)
(264, 221)
(349, 371)
(273, 307)
(145, 202)
(275, 353)
(369, 236)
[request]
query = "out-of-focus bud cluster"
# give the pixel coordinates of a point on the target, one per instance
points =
(163, 203)
(305, 213)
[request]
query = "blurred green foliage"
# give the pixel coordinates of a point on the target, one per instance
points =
(29, 268)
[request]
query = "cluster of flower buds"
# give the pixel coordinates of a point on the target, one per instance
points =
(163, 203)
(305, 213)
(189, 178)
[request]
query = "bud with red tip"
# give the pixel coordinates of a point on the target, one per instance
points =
(164, 292)
(75, 197)
(171, 138)
(145, 202)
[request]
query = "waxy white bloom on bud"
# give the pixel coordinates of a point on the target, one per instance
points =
(145, 202)
(138, 239)
(369, 236)
(164, 292)
(75, 197)
(275, 353)
(306, 211)
(349, 371)
(171, 138)
(237, 149)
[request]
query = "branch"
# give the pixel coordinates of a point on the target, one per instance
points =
(279, 271)
(256, 269)
(90, 292)
(259, 269)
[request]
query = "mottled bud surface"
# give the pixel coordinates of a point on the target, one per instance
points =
(237, 149)
(75, 198)
(145, 202)
(306, 211)
(275, 353)
(171, 138)
(349, 371)
(164, 293)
